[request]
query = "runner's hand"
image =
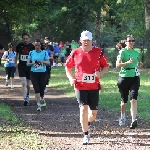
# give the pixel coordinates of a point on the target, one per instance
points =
(140, 64)
(72, 81)
(130, 60)
(97, 74)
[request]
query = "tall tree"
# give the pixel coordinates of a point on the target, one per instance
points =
(147, 23)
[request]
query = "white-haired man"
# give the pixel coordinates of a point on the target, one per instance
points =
(90, 64)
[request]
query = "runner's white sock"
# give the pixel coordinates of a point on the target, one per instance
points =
(38, 104)
(122, 115)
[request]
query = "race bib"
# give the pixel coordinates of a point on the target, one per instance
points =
(11, 60)
(88, 78)
(137, 73)
(23, 57)
(38, 66)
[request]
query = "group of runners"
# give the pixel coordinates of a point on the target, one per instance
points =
(90, 65)
(35, 66)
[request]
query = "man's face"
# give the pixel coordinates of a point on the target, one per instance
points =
(46, 41)
(86, 44)
(25, 39)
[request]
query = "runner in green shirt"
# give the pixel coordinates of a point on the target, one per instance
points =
(62, 55)
(129, 81)
(74, 45)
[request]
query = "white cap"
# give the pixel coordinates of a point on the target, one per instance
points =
(86, 35)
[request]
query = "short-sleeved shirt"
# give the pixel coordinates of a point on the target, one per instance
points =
(129, 70)
(56, 49)
(23, 51)
(11, 55)
(62, 52)
(49, 52)
(38, 56)
(74, 46)
(86, 64)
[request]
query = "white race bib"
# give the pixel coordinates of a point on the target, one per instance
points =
(88, 78)
(38, 66)
(137, 73)
(11, 60)
(23, 57)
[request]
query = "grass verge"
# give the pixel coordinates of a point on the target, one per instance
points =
(14, 136)
(109, 95)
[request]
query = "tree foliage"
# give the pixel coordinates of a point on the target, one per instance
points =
(108, 20)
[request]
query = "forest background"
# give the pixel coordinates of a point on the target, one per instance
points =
(64, 20)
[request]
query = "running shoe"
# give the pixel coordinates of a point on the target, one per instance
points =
(28, 98)
(122, 121)
(134, 124)
(43, 103)
(86, 140)
(6, 83)
(39, 108)
(45, 91)
(25, 102)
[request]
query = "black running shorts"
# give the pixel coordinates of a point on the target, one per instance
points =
(128, 85)
(88, 97)
(10, 72)
(24, 71)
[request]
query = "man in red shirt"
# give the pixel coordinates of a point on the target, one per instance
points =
(90, 64)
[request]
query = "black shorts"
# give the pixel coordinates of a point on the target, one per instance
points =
(126, 85)
(10, 72)
(88, 97)
(24, 71)
(38, 80)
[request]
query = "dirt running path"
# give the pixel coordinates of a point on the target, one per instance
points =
(59, 126)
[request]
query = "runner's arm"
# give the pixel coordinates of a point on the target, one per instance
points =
(29, 63)
(2, 50)
(99, 74)
(119, 62)
(46, 62)
(5, 56)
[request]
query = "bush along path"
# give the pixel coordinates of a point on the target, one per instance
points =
(57, 125)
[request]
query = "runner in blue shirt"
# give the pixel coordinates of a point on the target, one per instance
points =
(38, 59)
(9, 56)
(56, 54)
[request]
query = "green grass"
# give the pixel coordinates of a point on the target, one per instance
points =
(14, 136)
(109, 95)
(60, 81)
(8, 116)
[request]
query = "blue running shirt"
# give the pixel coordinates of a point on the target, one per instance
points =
(38, 56)
(11, 56)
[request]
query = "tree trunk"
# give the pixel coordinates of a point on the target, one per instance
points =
(97, 28)
(147, 24)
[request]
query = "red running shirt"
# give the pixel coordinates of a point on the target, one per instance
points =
(86, 63)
